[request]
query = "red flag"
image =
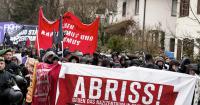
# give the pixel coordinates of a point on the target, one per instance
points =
(45, 32)
(77, 36)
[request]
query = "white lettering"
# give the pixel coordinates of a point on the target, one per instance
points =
(97, 88)
(87, 38)
(80, 84)
(130, 97)
(43, 32)
(69, 26)
(71, 41)
(123, 91)
(146, 91)
(111, 90)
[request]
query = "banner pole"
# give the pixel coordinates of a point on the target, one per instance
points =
(38, 43)
(62, 48)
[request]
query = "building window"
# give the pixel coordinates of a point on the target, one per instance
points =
(174, 7)
(136, 7)
(184, 8)
(124, 9)
(198, 7)
(188, 47)
(172, 44)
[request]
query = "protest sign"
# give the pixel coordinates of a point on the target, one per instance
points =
(17, 32)
(91, 85)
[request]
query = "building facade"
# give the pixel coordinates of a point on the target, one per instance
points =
(150, 15)
(187, 27)
(179, 19)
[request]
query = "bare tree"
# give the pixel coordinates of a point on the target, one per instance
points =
(86, 10)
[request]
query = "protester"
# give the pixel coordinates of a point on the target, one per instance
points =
(10, 66)
(123, 62)
(192, 69)
(95, 59)
(184, 62)
(50, 57)
(74, 59)
(8, 94)
(114, 60)
(115, 57)
(15, 60)
(149, 62)
(160, 63)
(174, 66)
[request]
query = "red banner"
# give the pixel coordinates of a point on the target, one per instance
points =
(45, 32)
(106, 91)
(77, 36)
(46, 84)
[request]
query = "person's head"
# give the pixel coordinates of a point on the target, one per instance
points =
(74, 59)
(160, 62)
(24, 53)
(55, 59)
(84, 60)
(185, 61)
(7, 54)
(122, 60)
(149, 58)
(2, 64)
(30, 65)
(78, 53)
(50, 57)
(174, 65)
(115, 57)
(105, 63)
(192, 69)
(15, 60)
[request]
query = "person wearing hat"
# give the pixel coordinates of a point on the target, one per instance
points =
(8, 94)
(50, 57)
(10, 66)
(160, 63)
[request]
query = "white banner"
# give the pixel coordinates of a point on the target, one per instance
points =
(87, 84)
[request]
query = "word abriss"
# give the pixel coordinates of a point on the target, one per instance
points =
(117, 90)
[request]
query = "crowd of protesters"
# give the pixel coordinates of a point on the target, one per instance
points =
(14, 75)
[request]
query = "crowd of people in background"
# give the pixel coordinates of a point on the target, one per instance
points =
(14, 73)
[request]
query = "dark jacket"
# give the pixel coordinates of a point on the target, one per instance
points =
(6, 80)
(13, 68)
(8, 95)
(151, 66)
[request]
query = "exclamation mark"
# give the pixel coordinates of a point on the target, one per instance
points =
(159, 94)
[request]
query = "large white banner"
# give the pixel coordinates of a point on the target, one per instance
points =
(92, 85)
